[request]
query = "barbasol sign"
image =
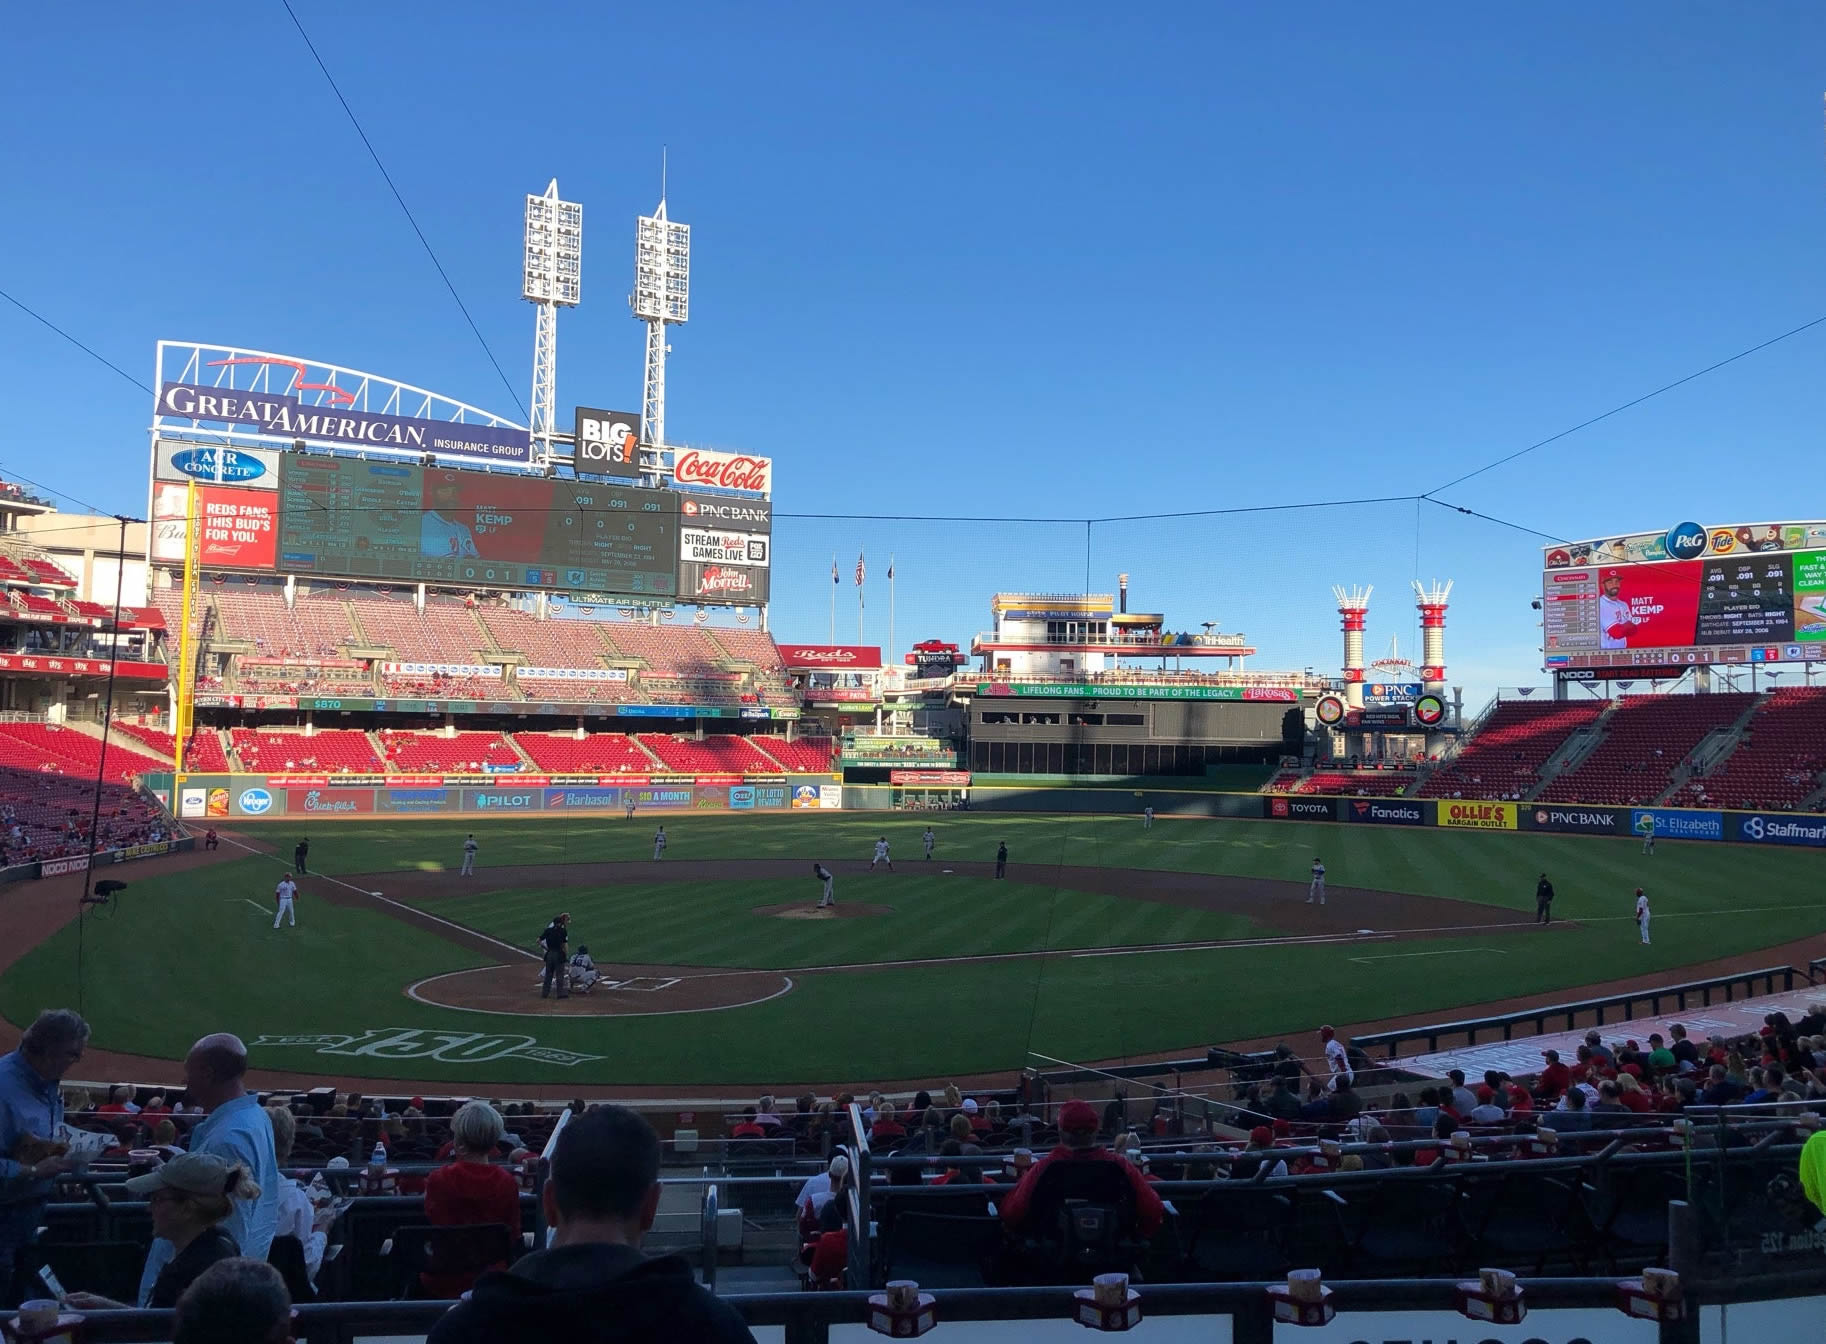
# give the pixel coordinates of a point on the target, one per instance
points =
(1763, 828)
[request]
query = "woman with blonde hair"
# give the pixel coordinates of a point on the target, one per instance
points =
(295, 1217)
(188, 1198)
(472, 1189)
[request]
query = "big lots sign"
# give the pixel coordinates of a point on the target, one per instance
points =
(726, 471)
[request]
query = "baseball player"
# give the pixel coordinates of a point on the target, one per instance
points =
(1543, 901)
(1001, 859)
(632, 798)
(1147, 817)
(287, 889)
(1648, 835)
(659, 843)
(881, 855)
(300, 852)
(1316, 892)
(1337, 1059)
(1642, 914)
(825, 876)
(469, 856)
(928, 840)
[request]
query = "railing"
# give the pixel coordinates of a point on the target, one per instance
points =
(1816, 970)
(1570, 1013)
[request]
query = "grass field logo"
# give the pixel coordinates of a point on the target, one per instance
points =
(448, 1047)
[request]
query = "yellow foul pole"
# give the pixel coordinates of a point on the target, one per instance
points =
(187, 654)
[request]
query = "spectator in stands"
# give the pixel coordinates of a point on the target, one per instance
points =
(960, 1130)
(1261, 1141)
(886, 1128)
(471, 1190)
(820, 1189)
(1463, 1100)
(1720, 1090)
(1078, 1143)
(1488, 1110)
(594, 1285)
(1555, 1076)
(979, 1123)
(1570, 1116)
(234, 1301)
(954, 1173)
(237, 1130)
(1600, 1051)
(766, 1116)
(190, 1199)
(746, 1128)
(294, 1217)
(1660, 1058)
(31, 1108)
(120, 1101)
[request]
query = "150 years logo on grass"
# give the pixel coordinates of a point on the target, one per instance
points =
(449, 1047)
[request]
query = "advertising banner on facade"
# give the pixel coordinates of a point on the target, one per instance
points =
(523, 798)
(1764, 828)
(805, 795)
(1284, 807)
(831, 657)
(693, 467)
(930, 778)
(1386, 811)
(329, 802)
(216, 464)
(583, 800)
(413, 800)
(608, 442)
(571, 674)
(1062, 690)
(1463, 815)
(1576, 819)
(237, 528)
(1677, 824)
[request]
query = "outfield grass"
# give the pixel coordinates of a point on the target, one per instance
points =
(187, 953)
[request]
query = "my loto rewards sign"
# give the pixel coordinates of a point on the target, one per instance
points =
(1385, 811)
(1476, 816)
(1764, 828)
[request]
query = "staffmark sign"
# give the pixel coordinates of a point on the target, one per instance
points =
(1760, 828)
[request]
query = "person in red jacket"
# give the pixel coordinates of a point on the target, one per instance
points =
(472, 1189)
(1078, 1143)
(1555, 1077)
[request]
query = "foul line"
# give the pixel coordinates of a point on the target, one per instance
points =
(1448, 952)
(401, 905)
(256, 905)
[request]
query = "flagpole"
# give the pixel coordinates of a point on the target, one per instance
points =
(890, 608)
(859, 613)
(833, 634)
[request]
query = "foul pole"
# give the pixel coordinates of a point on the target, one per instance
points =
(186, 704)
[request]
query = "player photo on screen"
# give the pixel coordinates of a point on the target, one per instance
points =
(472, 515)
(1647, 606)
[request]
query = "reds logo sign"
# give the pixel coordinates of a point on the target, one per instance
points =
(729, 471)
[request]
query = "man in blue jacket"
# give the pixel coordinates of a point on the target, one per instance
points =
(30, 1112)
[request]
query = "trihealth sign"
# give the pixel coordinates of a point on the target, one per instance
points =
(1476, 816)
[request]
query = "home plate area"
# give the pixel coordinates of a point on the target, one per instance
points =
(623, 991)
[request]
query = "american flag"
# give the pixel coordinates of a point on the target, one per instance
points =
(890, 569)
(834, 578)
(860, 569)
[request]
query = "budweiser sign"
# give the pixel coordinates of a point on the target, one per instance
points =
(727, 471)
(832, 655)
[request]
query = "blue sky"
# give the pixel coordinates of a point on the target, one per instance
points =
(1041, 261)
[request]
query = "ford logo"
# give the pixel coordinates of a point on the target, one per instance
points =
(1686, 541)
(255, 801)
(202, 464)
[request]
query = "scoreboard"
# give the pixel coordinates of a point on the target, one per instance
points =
(361, 519)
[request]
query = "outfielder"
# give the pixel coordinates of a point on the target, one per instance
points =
(283, 894)
(824, 875)
(928, 839)
(1147, 817)
(1316, 892)
(1648, 835)
(1642, 914)
(659, 843)
(469, 856)
(881, 855)
(631, 801)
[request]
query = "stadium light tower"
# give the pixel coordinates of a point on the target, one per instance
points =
(1353, 607)
(1432, 603)
(554, 280)
(661, 298)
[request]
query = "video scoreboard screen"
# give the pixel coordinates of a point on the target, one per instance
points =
(1747, 594)
(390, 520)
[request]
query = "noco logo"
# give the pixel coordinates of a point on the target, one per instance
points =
(1686, 541)
(255, 801)
(212, 464)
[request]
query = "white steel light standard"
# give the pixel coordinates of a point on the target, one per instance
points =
(554, 279)
(661, 298)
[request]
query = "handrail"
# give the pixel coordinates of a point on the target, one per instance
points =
(1538, 1017)
(707, 1222)
(542, 1170)
(1816, 970)
(856, 1204)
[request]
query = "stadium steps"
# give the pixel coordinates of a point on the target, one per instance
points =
(531, 765)
(1712, 752)
(1573, 752)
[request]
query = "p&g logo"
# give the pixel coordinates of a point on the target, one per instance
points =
(1686, 541)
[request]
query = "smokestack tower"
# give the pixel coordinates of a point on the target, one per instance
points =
(1432, 604)
(1353, 608)
(1122, 588)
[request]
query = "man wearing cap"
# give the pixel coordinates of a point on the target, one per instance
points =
(1337, 1058)
(1078, 1143)
(1488, 1110)
(1555, 1076)
(1642, 909)
(1543, 901)
(237, 1129)
(1261, 1142)
(555, 944)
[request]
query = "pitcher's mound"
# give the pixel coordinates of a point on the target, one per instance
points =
(810, 910)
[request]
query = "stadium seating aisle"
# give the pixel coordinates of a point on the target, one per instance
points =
(1778, 762)
(157, 739)
(805, 755)
(1505, 755)
(715, 754)
(337, 750)
(51, 815)
(1644, 740)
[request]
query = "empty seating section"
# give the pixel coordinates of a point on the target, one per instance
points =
(544, 643)
(313, 628)
(607, 753)
(1506, 753)
(35, 605)
(667, 651)
(572, 691)
(445, 632)
(806, 755)
(446, 688)
(155, 738)
(333, 751)
(1361, 783)
(1643, 741)
(1283, 781)
(713, 755)
(751, 646)
(1778, 762)
(50, 574)
(12, 571)
(52, 814)
(463, 753)
(66, 751)
(93, 610)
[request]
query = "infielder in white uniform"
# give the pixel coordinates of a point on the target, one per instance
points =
(287, 889)
(469, 856)
(1642, 914)
(659, 843)
(824, 875)
(1316, 892)
(928, 839)
(1147, 818)
(881, 855)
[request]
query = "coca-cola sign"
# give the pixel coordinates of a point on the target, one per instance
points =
(832, 656)
(726, 471)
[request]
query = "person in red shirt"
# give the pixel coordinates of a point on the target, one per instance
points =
(471, 1190)
(979, 1123)
(746, 1128)
(886, 1128)
(1078, 1143)
(1555, 1077)
(953, 1175)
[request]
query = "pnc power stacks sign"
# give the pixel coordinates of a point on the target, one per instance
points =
(1476, 816)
